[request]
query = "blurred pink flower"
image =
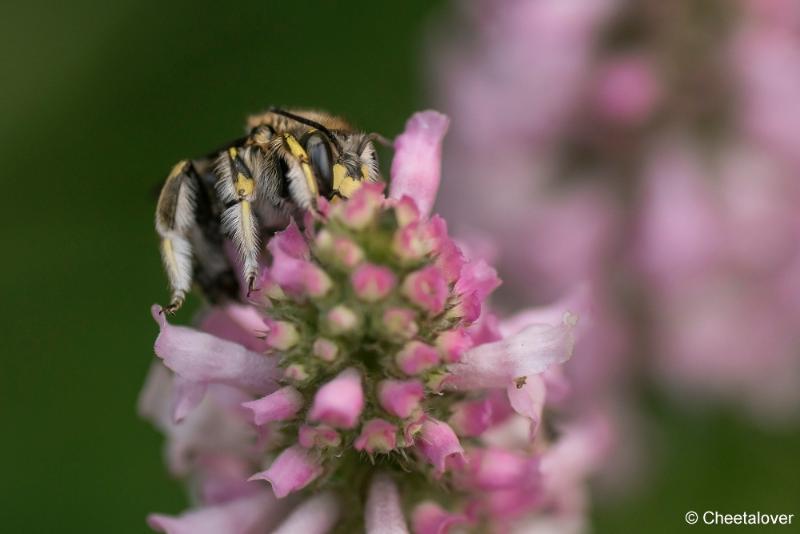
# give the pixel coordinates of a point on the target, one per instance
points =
(659, 175)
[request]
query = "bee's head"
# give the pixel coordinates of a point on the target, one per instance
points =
(341, 161)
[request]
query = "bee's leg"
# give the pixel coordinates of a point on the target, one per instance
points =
(238, 188)
(174, 219)
(302, 183)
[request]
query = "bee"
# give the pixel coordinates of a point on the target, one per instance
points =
(250, 189)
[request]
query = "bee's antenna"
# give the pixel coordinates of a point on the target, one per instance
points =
(309, 122)
(380, 139)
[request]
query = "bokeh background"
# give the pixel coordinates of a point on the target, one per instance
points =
(98, 100)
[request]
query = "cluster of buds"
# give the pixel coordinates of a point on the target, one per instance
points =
(378, 365)
(364, 313)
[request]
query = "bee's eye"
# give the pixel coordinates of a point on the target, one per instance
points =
(321, 162)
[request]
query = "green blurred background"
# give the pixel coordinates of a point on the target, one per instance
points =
(98, 100)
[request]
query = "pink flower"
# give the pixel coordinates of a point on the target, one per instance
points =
(471, 418)
(430, 518)
(384, 514)
(278, 406)
(239, 516)
(529, 352)
(347, 314)
(437, 442)
(292, 470)
(627, 90)
(497, 468)
(203, 358)
(416, 166)
(316, 515)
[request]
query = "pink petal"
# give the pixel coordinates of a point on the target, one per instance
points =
(437, 442)
(216, 425)
(497, 468)
(186, 396)
(222, 478)
(528, 400)
(241, 516)
(430, 518)
(529, 352)
(339, 402)
(237, 323)
(400, 397)
(384, 513)
(416, 167)
(299, 277)
(200, 357)
(471, 418)
(293, 469)
(316, 515)
(290, 266)
(290, 242)
(280, 405)
(477, 277)
(579, 301)
(449, 257)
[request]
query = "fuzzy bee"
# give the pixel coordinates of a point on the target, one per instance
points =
(250, 189)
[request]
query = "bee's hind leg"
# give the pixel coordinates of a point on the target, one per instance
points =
(174, 219)
(239, 174)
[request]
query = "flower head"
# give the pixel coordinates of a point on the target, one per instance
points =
(376, 352)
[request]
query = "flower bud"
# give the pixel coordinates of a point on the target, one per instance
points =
(341, 320)
(427, 289)
(400, 398)
(410, 243)
(416, 357)
(437, 442)
(292, 470)
(317, 282)
(346, 253)
(320, 437)
(360, 210)
(281, 405)
(339, 403)
(400, 323)
(452, 344)
(372, 283)
(377, 435)
(282, 335)
(406, 211)
(325, 349)
(295, 372)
